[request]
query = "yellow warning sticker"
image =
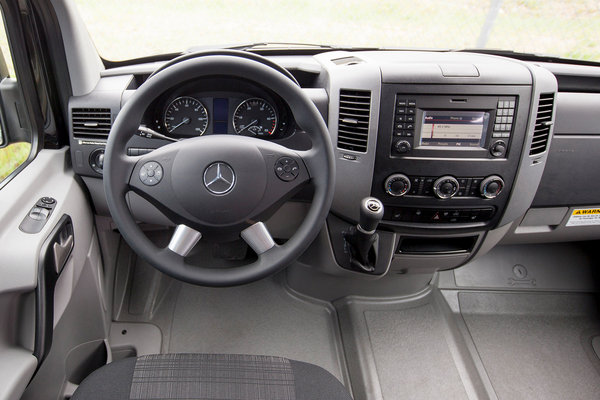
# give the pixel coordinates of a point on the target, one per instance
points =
(585, 216)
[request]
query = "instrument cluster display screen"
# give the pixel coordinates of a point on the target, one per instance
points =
(454, 129)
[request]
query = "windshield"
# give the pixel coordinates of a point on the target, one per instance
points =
(138, 28)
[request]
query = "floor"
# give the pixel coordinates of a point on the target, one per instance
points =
(520, 323)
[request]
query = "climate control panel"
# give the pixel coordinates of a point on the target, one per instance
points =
(444, 187)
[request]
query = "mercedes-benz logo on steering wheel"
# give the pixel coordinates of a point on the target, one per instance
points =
(219, 178)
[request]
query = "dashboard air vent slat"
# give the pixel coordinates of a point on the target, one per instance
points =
(353, 122)
(91, 122)
(543, 122)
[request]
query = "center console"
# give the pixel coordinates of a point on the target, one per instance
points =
(452, 144)
(447, 156)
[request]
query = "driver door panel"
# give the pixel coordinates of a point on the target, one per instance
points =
(72, 311)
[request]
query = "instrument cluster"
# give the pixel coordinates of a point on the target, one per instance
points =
(221, 106)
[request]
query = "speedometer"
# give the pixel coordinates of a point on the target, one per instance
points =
(255, 117)
(186, 116)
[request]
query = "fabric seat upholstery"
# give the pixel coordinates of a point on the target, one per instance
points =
(210, 377)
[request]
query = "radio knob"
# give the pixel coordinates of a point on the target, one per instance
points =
(397, 185)
(445, 187)
(491, 187)
(498, 149)
(402, 146)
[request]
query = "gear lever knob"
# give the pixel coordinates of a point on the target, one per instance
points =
(371, 213)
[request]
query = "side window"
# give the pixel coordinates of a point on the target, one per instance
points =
(15, 141)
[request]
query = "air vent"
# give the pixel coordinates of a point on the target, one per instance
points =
(543, 122)
(91, 122)
(353, 123)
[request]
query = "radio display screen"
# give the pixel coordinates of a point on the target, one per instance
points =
(454, 129)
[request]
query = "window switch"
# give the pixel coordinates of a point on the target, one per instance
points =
(39, 214)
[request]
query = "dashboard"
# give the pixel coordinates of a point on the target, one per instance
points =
(455, 145)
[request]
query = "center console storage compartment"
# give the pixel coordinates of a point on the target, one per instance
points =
(436, 245)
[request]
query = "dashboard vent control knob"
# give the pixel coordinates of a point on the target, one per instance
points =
(491, 187)
(402, 146)
(397, 185)
(445, 187)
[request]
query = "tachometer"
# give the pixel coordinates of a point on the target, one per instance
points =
(255, 117)
(186, 116)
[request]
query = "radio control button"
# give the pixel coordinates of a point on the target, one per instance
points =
(498, 149)
(402, 146)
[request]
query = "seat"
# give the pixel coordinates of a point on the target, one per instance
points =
(210, 377)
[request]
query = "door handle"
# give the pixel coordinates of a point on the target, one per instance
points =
(62, 250)
(54, 254)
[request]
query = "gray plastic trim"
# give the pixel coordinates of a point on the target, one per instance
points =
(144, 338)
(83, 60)
(531, 168)
(353, 177)
(577, 114)
(16, 368)
(434, 67)
(546, 231)
(544, 216)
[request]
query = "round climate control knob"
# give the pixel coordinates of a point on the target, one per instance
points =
(445, 187)
(397, 185)
(491, 187)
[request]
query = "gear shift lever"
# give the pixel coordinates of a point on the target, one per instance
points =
(371, 213)
(362, 239)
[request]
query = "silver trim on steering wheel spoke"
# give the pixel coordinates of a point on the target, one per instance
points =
(258, 238)
(183, 240)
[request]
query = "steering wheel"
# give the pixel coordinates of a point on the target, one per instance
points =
(219, 186)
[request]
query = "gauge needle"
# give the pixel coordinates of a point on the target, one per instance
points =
(249, 125)
(186, 120)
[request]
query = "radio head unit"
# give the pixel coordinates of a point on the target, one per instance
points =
(474, 126)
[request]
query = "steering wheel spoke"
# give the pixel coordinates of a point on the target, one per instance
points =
(257, 236)
(183, 240)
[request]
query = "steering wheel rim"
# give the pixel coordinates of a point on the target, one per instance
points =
(120, 168)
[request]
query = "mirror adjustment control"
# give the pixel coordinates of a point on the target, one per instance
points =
(446, 187)
(97, 160)
(397, 185)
